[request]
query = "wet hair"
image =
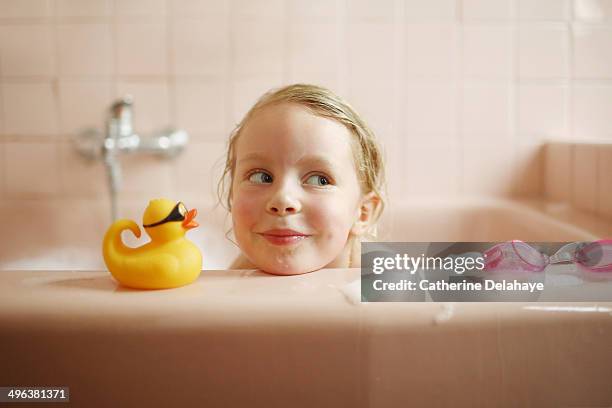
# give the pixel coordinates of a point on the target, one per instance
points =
(321, 102)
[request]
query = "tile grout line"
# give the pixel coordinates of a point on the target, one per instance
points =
(570, 103)
(115, 69)
(55, 78)
(228, 125)
(114, 88)
(171, 88)
(399, 33)
(286, 70)
(401, 128)
(3, 165)
(230, 69)
(460, 90)
(59, 117)
(514, 104)
(344, 84)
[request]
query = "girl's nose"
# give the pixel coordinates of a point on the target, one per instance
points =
(282, 211)
(282, 203)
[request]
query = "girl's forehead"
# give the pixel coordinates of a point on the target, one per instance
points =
(292, 131)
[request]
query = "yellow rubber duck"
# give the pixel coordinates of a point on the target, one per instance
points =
(170, 260)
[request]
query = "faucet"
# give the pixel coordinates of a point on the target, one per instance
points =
(120, 138)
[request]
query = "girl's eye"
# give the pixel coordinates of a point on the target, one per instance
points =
(260, 177)
(318, 180)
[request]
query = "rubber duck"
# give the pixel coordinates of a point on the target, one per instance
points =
(169, 260)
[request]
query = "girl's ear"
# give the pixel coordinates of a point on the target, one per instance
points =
(367, 213)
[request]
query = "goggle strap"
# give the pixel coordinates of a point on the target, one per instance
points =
(169, 218)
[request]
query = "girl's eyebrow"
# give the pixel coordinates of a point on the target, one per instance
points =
(317, 160)
(311, 159)
(252, 156)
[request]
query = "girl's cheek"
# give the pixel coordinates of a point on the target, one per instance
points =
(329, 213)
(246, 207)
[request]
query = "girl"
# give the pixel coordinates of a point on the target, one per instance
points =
(306, 178)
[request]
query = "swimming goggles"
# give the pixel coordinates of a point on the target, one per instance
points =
(177, 214)
(517, 255)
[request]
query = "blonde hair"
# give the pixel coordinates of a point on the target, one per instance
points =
(322, 102)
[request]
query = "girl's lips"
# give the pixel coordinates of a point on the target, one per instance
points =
(284, 240)
(283, 236)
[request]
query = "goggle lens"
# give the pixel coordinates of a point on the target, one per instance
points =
(177, 214)
(596, 256)
(534, 259)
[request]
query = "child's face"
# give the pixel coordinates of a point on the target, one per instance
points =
(295, 191)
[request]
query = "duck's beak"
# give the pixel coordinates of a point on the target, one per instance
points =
(189, 221)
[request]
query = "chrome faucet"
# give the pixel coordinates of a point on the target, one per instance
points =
(120, 138)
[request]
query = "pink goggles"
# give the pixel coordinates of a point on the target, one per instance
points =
(517, 255)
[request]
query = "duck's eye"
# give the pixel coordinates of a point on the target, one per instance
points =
(182, 209)
(318, 180)
(260, 177)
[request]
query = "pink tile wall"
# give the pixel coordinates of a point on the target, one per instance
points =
(580, 174)
(462, 93)
(584, 177)
(85, 49)
(558, 170)
(604, 191)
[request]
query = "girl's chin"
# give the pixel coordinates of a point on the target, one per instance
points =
(288, 269)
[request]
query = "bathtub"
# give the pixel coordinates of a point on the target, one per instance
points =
(245, 338)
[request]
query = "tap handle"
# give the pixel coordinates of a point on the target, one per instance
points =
(121, 106)
(121, 117)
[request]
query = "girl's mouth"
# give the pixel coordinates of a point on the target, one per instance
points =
(283, 236)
